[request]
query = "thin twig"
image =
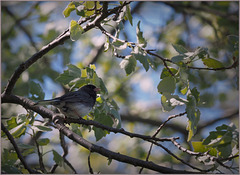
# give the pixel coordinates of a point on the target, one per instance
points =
(116, 130)
(40, 157)
(213, 158)
(181, 160)
(65, 153)
(157, 131)
(164, 60)
(164, 123)
(135, 44)
(234, 65)
(11, 139)
(89, 164)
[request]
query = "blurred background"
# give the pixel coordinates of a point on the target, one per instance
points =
(28, 26)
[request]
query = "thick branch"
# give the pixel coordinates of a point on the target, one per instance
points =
(58, 41)
(110, 154)
(28, 104)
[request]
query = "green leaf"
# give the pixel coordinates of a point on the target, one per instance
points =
(119, 44)
(21, 118)
(129, 64)
(80, 11)
(140, 39)
(201, 52)
(90, 5)
(8, 157)
(196, 94)
(128, 14)
(222, 139)
(103, 88)
(74, 70)
(184, 90)
(143, 59)
(114, 104)
(177, 58)
(167, 84)
(169, 101)
(36, 91)
(18, 131)
(75, 128)
(99, 133)
(109, 161)
(212, 63)
(165, 72)
(217, 138)
(42, 128)
(117, 117)
(166, 104)
(71, 7)
(107, 44)
(10, 169)
(193, 116)
(179, 48)
(70, 74)
(75, 30)
(225, 150)
(199, 147)
(57, 158)
(12, 123)
(103, 119)
(43, 142)
(28, 151)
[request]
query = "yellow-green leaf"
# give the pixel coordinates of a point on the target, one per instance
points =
(212, 63)
(69, 9)
(84, 73)
(75, 30)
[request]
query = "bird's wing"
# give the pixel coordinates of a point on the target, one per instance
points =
(77, 96)
(49, 102)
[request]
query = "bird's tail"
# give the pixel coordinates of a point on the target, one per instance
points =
(46, 102)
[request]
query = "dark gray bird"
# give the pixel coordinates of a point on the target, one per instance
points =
(75, 104)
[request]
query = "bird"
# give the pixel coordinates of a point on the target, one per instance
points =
(75, 104)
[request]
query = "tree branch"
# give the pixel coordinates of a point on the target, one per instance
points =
(156, 133)
(116, 130)
(89, 164)
(11, 139)
(65, 153)
(110, 154)
(58, 41)
(46, 113)
(213, 158)
(40, 159)
(153, 122)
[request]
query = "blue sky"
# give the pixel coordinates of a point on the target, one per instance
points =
(152, 18)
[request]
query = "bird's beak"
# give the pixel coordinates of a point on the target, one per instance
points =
(97, 89)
